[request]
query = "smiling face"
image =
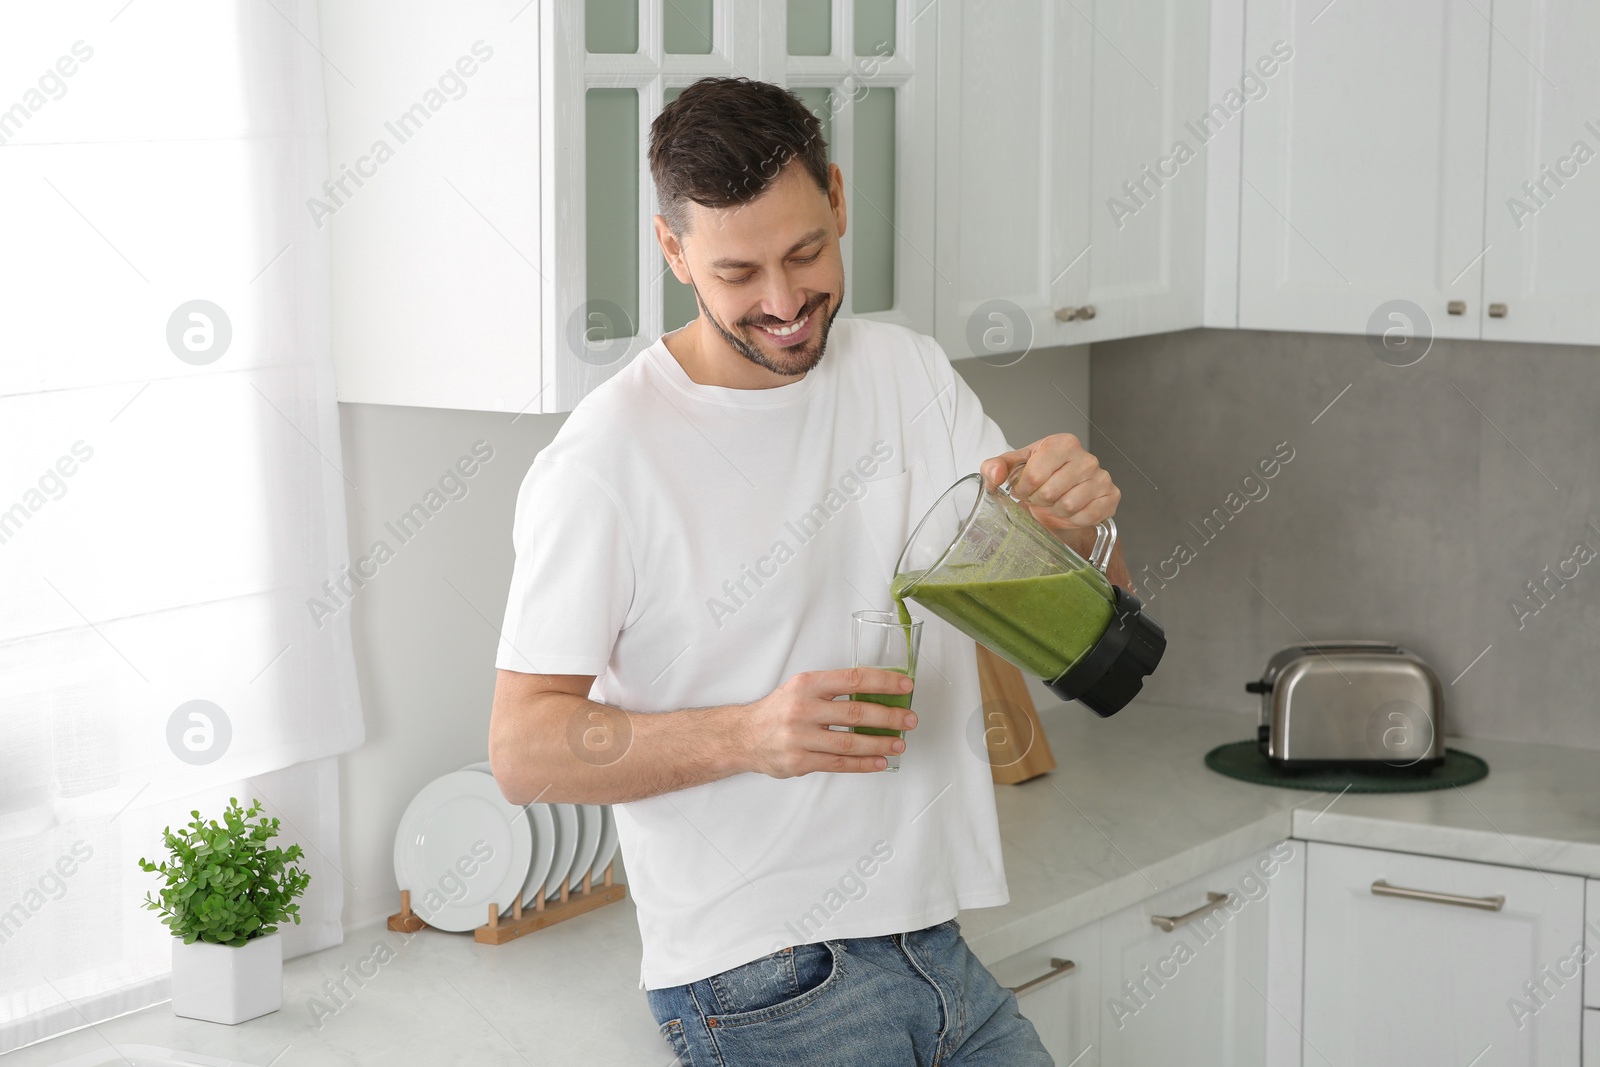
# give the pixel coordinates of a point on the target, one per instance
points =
(768, 274)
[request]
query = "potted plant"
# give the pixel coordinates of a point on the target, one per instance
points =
(223, 895)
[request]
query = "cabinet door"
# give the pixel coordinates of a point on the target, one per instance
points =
(1049, 114)
(1194, 994)
(1063, 1009)
(1543, 186)
(867, 69)
(1363, 167)
(1014, 78)
(1143, 227)
(1591, 1039)
(1430, 978)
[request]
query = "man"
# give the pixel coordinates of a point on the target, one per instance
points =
(690, 548)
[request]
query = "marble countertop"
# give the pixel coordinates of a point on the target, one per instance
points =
(1130, 810)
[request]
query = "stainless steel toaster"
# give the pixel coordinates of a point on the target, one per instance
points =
(1350, 703)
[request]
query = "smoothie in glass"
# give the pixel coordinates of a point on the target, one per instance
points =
(885, 642)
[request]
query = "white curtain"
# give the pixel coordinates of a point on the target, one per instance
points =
(172, 507)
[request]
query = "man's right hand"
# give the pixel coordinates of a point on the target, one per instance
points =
(785, 734)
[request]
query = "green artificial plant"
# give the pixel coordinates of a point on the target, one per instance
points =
(223, 885)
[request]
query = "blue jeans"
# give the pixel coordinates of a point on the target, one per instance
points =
(915, 998)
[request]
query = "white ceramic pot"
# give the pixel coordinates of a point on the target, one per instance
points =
(222, 984)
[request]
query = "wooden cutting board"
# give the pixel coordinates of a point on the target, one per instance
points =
(1017, 746)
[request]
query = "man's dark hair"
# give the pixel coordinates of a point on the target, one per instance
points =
(724, 141)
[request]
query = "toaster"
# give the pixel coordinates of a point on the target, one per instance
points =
(1365, 704)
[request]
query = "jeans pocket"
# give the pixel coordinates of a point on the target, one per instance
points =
(672, 1034)
(775, 985)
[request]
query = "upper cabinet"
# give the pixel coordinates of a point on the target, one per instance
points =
(1541, 276)
(1070, 188)
(1420, 153)
(1363, 165)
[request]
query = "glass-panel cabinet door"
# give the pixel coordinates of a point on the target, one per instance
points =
(870, 65)
(607, 67)
(865, 67)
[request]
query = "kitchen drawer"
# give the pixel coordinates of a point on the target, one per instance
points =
(1430, 978)
(1062, 1009)
(1591, 1039)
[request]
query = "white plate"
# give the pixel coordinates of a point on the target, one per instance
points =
(460, 846)
(590, 823)
(544, 852)
(566, 847)
(608, 844)
(544, 844)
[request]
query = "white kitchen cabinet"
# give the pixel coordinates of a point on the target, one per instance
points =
(526, 272)
(1591, 1039)
(435, 287)
(1363, 167)
(1543, 188)
(1064, 1004)
(1049, 115)
(1194, 994)
(1435, 976)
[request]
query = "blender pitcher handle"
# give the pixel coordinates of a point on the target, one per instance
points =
(1105, 539)
(1105, 533)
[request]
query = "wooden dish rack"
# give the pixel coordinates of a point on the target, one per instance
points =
(498, 930)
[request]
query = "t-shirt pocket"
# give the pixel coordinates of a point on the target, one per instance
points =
(885, 510)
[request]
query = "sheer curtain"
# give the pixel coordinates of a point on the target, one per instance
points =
(172, 531)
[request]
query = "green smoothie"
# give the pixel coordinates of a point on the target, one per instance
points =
(893, 700)
(1043, 624)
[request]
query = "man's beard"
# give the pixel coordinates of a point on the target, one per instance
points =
(797, 360)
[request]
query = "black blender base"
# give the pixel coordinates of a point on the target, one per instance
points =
(1111, 673)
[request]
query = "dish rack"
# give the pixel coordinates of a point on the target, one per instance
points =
(500, 929)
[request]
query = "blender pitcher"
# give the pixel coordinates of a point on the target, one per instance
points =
(980, 561)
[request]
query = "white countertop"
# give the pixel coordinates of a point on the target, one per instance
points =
(1131, 810)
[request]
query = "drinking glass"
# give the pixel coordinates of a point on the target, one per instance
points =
(881, 639)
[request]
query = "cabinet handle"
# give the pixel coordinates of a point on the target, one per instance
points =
(1497, 311)
(1456, 307)
(1086, 312)
(1074, 314)
(1170, 923)
(1058, 968)
(1384, 889)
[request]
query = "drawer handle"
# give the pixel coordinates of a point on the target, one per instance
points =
(1384, 889)
(1058, 968)
(1170, 923)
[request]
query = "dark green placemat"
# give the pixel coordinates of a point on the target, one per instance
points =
(1243, 760)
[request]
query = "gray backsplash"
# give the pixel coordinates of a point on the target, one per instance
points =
(1415, 509)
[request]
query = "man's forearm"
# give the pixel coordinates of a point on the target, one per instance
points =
(569, 749)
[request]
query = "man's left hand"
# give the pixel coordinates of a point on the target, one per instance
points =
(1062, 483)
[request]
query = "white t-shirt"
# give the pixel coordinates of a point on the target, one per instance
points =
(695, 545)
